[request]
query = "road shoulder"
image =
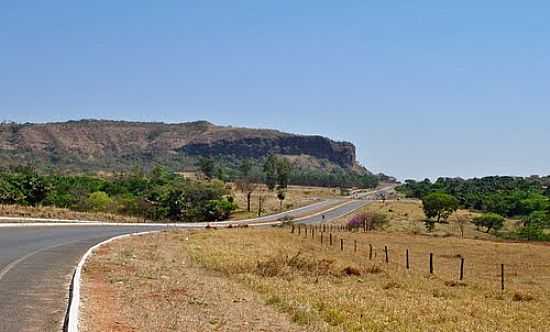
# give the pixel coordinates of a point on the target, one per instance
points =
(136, 285)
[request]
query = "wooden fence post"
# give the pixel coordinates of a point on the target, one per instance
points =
(386, 251)
(322, 238)
(292, 231)
(341, 244)
(299, 229)
(330, 239)
(461, 268)
(370, 251)
(431, 263)
(502, 277)
(407, 260)
(354, 245)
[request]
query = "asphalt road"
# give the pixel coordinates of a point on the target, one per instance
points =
(37, 262)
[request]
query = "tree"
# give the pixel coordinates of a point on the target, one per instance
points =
(270, 171)
(281, 195)
(283, 173)
(99, 201)
(461, 221)
(247, 186)
(207, 167)
(490, 221)
(248, 181)
(439, 205)
(534, 224)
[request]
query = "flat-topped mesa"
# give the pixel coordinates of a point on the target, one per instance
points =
(102, 145)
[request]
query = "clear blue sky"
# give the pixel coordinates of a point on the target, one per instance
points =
(423, 88)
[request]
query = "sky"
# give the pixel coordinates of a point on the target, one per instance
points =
(422, 88)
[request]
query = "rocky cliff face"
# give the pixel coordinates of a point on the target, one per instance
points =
(93, 144)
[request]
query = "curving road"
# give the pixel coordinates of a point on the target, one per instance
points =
(37, 261)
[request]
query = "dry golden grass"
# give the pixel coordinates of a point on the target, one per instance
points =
(152, 285)
(407, 216)
(48, 212)
(297, 196)
(319, 285)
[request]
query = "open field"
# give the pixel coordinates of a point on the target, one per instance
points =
(407, 216)
(297, 196)
(153, 285)
(322, 288)
(48, 212)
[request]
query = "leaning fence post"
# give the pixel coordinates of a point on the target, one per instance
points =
(386, 251)
(431, 263)
(407, 255)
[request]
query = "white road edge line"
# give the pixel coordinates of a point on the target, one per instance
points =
(73, 317)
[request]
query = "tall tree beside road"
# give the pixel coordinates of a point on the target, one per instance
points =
(248, 181)
(270, 172)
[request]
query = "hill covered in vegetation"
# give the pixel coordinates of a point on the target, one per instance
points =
(98, 145)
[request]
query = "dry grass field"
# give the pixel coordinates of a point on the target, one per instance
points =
(407, 216)
(297, 196)
(48, 212)
(320, 287)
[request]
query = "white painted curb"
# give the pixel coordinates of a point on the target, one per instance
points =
(73, 317)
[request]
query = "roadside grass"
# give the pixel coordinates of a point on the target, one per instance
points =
(407, 216)
(297, 196)
(346, 291)
(49, 212)
(149, 283)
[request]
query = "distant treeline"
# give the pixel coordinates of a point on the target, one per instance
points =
(527, 199)
(155, 195)
(231, 170)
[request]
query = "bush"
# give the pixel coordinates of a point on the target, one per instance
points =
(99, 201)
(371, 220)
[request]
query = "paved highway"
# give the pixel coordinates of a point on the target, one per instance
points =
(37, 262)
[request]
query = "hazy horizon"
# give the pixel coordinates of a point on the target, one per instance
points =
(423, 90)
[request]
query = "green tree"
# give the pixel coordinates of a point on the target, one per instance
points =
(283, 173)
(207, 166)
(270, 172)
(489, 221)
(439, 205)
(99, 201)
(534, 224)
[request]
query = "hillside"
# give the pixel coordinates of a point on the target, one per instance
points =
(99, 145)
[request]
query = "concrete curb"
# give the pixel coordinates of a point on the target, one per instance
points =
(72, 319)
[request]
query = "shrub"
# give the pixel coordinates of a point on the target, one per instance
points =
(99, 201)
(371, 220)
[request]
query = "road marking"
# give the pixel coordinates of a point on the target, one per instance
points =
(14, 263)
